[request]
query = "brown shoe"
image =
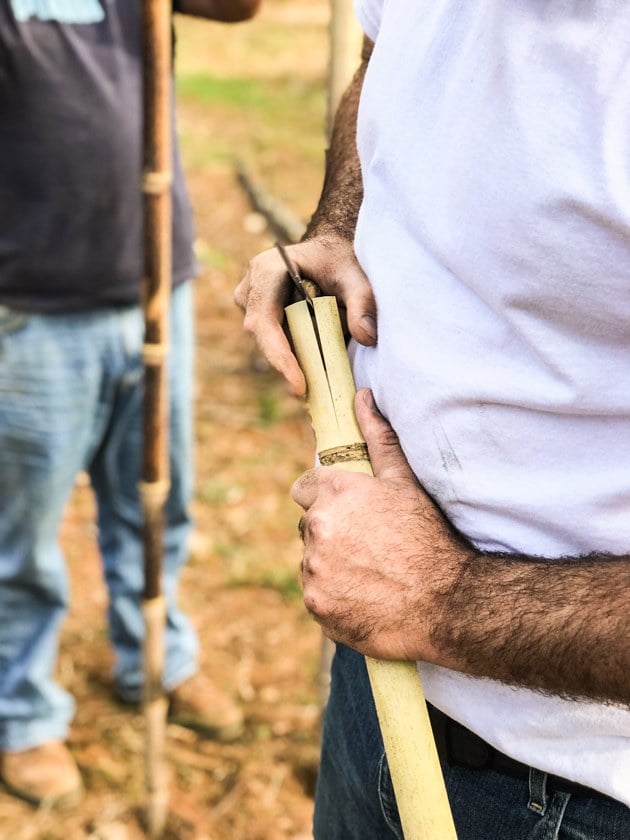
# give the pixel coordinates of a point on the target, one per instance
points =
(44, 775)
(198, 704)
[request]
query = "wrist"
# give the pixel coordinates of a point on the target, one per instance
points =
(328, 232)
(455, 605)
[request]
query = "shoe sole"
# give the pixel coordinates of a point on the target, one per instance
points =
(231, 732)
(57, 802)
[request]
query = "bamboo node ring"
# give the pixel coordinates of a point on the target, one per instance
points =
(154, 492)
(155, 183)
(154, 354)
(342, 454)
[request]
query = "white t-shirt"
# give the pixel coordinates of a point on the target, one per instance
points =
(495, 147)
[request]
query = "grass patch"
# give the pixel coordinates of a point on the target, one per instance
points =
(282, 580)
(274, 98)
(215, 493)
(269, 409)
(210, 256)
(269, 124)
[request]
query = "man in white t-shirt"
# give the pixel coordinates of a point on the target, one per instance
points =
(481, 221)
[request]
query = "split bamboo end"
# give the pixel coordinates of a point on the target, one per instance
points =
(321, 351)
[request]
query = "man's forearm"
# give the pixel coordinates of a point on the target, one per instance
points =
(558, 626)
(227, 11)
(342, 191)
(385, 573)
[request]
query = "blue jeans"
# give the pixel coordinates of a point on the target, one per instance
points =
(355, 800)
(71, 392)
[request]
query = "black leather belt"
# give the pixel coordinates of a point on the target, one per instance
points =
(459, 747)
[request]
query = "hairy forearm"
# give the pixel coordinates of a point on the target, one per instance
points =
(342, 191)
(558, 626)
(226, 11)
(385, 572)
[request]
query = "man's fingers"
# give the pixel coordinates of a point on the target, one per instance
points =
(274, 345)
(302, 528)
(305, 488)
(387, 458)
(339, 274)
(360, 307)
(262, 295)
(267, 288)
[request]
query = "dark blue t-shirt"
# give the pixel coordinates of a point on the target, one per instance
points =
(71, 157)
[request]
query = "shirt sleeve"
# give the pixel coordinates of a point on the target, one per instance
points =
(369, 15)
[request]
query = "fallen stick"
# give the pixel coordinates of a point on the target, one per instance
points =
(279, 219)
(398, 695)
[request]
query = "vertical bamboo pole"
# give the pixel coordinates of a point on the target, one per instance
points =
(345, 49)
(345, 38)
(398, 696)
(155, 480)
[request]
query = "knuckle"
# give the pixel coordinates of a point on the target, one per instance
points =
(250, 322)
(304, 482)
(316, 527)
(312, 568)
(252, 265)
(311, 603)
(251, 275)
(338, 482)
(315, 605)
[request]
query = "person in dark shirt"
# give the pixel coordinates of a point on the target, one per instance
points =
(71, 332)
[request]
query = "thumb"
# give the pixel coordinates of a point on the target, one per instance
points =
(338, 273)
(387, 458)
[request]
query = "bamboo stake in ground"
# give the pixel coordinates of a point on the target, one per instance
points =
(154, 486)
(398, 696)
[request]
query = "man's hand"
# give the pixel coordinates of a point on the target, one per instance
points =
(226, 11)
(266, 289)
(377, 552)
(326, 256)
(386, 574)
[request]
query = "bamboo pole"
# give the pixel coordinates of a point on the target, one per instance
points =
(345, 37)
(344, 42)
(155, 480)
(398, 695)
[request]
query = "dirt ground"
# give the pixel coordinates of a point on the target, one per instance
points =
(240, 587)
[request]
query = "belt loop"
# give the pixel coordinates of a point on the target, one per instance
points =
(537, 791)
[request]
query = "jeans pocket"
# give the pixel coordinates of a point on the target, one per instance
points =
(387, 798)
(11, 320)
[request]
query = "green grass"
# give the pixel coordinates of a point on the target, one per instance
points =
(284, 581)
(269, 409)
(273, 98)
(256, 116)
(216, 493)
(210, 256)
(252, 571)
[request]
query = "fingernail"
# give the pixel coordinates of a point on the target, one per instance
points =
(368, 399)
(368, 322)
